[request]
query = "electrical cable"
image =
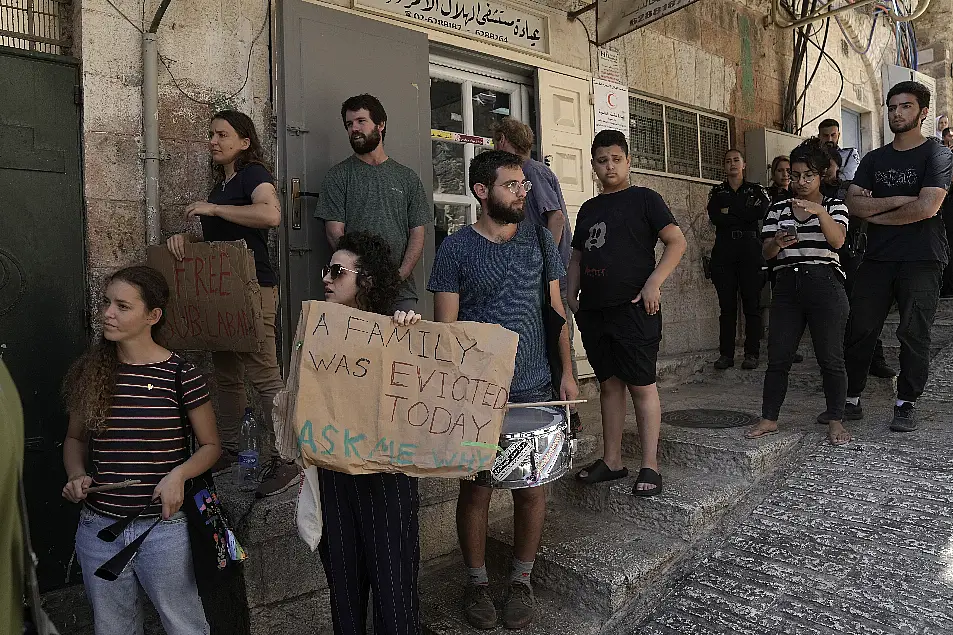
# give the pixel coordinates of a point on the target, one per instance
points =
(126, 17)
(251, 48)
(840, 92)
(850, 42)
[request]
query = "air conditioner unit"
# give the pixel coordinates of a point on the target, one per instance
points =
(892, 75)
(761, 146)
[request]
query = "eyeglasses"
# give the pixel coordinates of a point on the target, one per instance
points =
(336, 270)
(807, 177)
(514, 186)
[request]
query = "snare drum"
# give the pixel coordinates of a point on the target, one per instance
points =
(535, 448)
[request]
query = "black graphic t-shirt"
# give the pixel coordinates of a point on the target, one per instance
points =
(888, 172)
(616, 234)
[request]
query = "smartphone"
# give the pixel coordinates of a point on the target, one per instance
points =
(788, 228)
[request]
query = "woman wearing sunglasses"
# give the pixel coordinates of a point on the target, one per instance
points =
(804, 234)
(125, 397)
(370, 520)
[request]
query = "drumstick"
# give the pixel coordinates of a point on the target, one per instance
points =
(109, 488)
(538, 404)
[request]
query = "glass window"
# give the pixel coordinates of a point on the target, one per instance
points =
(448, 218)
(446, 112)
(489, 107)
(449, 172)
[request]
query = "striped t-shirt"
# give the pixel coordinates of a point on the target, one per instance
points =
(811, 247)
(145, 437)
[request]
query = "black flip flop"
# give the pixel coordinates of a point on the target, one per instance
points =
(650, 476)
(599, 472)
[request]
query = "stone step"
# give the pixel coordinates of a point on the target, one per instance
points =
(691, 500)
(441, 611)
(595, 560)
(719, 450)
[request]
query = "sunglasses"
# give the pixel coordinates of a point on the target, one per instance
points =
(336, 270)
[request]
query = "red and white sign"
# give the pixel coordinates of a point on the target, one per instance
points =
(611, 106)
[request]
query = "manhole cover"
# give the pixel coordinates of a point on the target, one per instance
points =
(702, 418)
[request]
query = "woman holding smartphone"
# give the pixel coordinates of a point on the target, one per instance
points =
(804, 234)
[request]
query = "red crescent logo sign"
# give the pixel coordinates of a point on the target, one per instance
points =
(609, 99)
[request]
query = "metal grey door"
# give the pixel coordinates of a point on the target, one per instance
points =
(42, 278)
(327, 56)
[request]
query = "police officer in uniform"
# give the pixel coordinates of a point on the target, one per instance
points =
(735, 207)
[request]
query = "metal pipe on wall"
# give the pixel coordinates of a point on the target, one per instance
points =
(150, 130)
(150, 125)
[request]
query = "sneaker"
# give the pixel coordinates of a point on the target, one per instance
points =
(277, 477)
(880, 369)
(478, 607)
(798, 358)
(519, 606)
(225, 462)
(750, 363)
(904, 418)
(724, 362)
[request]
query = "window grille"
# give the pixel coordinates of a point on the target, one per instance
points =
(674, 140)
(35, 25)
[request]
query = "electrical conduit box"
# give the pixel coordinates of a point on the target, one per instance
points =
(761, 146)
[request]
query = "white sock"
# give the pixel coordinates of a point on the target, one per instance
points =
(853, 400)
(900, 402)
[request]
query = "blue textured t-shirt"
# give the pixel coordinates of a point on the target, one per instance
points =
(499, 283)
(547, 196)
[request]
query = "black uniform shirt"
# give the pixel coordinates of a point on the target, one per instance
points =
(737, 210)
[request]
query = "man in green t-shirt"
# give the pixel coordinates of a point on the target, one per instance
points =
(11, 528)
(371, 192)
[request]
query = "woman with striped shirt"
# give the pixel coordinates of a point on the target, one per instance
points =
(125, 396)
(804, 234)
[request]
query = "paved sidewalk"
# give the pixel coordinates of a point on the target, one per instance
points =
(854, 540)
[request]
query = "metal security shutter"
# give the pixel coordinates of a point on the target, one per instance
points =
(35, 25)
(675, 141)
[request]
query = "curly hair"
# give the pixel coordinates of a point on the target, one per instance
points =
(90, 384)
(245, 128)
(378, 282)
(814, 154)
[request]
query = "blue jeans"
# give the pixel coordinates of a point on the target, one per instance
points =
(162, 568)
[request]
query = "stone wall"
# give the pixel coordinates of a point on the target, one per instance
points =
(935, 37)
(206, 47)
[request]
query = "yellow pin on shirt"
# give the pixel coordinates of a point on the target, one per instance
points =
(149, 386)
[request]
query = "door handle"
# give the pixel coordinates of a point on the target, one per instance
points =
(296, 195)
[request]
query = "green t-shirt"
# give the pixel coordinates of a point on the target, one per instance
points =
(387, 200)
(11, 530)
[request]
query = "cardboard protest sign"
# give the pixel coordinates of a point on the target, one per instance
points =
(215, 301)
(367, 396)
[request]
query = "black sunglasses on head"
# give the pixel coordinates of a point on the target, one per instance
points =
(336, 270)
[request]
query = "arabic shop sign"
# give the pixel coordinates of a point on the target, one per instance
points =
(489, 21)
(615, 18)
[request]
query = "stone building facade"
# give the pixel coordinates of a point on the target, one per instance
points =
(714, 57)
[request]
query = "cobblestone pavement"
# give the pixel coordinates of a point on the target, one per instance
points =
(854, 540)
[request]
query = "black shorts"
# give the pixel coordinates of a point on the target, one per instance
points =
(622, 341)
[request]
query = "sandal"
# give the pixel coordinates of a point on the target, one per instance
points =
(757, 433)
(650, 476)
(599, 472)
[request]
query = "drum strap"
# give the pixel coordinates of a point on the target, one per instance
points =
(553, 322)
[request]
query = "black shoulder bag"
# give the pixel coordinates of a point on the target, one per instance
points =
(552, 322)
(215, 550)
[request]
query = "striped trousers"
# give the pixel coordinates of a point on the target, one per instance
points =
(370, 541)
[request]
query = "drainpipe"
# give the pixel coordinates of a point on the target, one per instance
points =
(150, 124)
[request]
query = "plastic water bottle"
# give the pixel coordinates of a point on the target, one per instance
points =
(248, 453)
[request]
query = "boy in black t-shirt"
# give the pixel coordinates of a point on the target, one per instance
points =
(898, 190)
(614, 290)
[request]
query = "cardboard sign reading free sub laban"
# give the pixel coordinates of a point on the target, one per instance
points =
(215, 299)
(425, 400)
